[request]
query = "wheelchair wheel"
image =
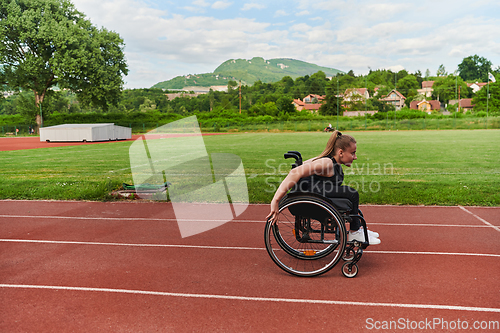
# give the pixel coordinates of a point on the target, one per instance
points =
(309, 237)
(349, 270)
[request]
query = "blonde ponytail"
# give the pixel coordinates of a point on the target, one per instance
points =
(337, 141)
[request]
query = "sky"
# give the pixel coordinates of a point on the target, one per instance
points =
(164, 39)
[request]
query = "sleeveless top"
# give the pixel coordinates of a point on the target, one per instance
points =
(319, 184)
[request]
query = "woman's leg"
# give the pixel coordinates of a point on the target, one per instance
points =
(346, 192)
(351, 194)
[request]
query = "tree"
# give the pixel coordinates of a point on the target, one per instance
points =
(317, 83)
(408, 83)
(408, 87)
(381, 78)
(53, 101)
(482, 102)
(418, 76)
(231, 85)
(147, 105)
(381, 106)
(261, 109)
(441, 71)
(474, 68)
(401, 75)
(286, 83)
(48, 43)
(345, 82)
(285, 105)
(445, 88)
(332, 101)
(7, 105)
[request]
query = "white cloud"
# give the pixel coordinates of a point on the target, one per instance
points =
(161, 43)
(249, 6)
(280, 13)
(395, 68)
(303, 13)
(221, 4)
(384, 11)
(386, 30)
(201, 3)
(153, 37)
(301, 27)
(194, 9)
(328, 5)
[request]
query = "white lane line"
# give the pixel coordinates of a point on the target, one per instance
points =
(480, 219)
(228, 247)
(208, 220)
(133, 244)
(120, 218)
(256, 299)
(428, 225)
(437, 253)
(102, 218)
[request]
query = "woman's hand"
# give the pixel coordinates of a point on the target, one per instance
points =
(273, 215)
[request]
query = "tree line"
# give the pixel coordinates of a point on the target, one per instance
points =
(260, 99)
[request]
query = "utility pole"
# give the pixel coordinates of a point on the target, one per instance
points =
(337, 101)
(366, 88)
(487, 100)
(395, 87)
(459, 98)
(456, 85)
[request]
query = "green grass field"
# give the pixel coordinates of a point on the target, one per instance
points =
(459, 167)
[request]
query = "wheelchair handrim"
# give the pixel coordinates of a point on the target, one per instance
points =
(284, 246)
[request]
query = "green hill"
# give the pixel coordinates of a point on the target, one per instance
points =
(248, 71)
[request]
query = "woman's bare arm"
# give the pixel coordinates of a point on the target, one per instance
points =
(320, 167)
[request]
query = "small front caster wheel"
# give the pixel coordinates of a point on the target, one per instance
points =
(349, 270)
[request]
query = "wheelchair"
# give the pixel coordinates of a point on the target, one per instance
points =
(309, 236)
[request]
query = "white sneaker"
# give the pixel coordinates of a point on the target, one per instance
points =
(359, 236)
(371, 233)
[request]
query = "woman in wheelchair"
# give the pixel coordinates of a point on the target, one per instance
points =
(323, 175)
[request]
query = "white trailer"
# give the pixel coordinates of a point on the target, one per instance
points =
(84, 132)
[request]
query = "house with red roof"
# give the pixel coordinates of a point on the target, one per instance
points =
(465, 104)
(356, 94)
(395, 98)
(476, 86)
(426, 88)
(312, 98)
(311, 103)
(426, 106)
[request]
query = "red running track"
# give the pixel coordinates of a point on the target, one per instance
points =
(123, 267)
(33, 142)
